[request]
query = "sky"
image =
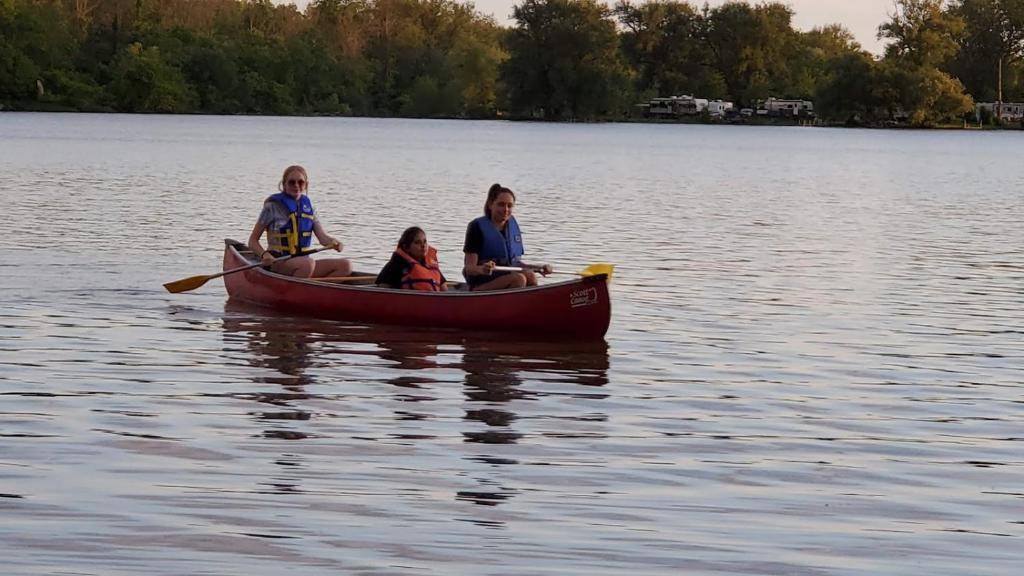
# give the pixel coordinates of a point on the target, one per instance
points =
(861, 17)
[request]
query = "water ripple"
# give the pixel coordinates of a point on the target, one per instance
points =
(813, 366)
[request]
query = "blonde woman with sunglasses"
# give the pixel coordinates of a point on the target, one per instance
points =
(290, 223)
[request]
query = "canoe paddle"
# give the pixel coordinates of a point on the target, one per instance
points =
(592, 270)
(191, 283)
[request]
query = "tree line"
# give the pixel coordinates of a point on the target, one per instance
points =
(559, 60)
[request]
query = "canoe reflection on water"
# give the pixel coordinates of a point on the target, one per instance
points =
(292, 345)
(431, 372)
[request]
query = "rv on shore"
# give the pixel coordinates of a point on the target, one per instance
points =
(680, 107)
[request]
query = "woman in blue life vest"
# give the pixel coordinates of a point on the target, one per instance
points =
(290, 222)
(413, 265)
(494, 239)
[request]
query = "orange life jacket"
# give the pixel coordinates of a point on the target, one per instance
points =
(424, 275)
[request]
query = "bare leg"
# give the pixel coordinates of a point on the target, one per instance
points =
(513, 280)
(300, 267)
(531, 277)
(332, 267)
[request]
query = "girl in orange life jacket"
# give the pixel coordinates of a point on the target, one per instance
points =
(493, 240)
(290, 222)
(413, 265)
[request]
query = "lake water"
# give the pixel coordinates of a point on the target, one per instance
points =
(814, 364)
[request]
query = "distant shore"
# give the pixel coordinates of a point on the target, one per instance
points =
(696, 120)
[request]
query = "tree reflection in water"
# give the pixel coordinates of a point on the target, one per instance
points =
(495, 374)
(498, 372)
(287, 355)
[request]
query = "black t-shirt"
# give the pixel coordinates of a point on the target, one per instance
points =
(474, 238)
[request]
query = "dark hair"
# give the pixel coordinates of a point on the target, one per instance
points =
(409, 235)
(495, 190)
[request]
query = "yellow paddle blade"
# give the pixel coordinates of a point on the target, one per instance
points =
(595, 269)
(186, 284)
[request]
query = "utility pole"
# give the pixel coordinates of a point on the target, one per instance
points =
(999, 98)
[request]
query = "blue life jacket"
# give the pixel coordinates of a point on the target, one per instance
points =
(297, 234)
(505, 249)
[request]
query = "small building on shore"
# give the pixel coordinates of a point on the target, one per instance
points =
(673, 107)
(1003, 111)
(785, 108)
(677, 107)
(720, 108)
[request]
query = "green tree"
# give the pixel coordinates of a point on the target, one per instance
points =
(751, 47)
(323, 82)
(923, 37)
(396, 53)
(922, 33)
(36, 46)
(663, 42)
(831, 41)
(342, 24)
(564, 62)
(849, 93)
(430, 58)
(18, 73)
(926, 95)
(474, 60)
(144, 82)
(812, 55)
(992, 46)
(213, 72)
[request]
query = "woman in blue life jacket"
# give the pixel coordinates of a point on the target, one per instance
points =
(413, 265)
(494, 239)
(290, 222)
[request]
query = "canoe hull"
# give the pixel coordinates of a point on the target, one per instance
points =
(577, 309)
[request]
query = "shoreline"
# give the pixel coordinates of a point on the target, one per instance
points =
(760, 122)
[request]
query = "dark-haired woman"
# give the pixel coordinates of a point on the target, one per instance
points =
(494, 239)
(413, 265)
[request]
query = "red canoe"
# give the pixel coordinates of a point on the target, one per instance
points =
(578, 308)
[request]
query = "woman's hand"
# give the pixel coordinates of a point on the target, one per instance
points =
(267, 257)
(332, 242)
(488, 267)
(543, 269)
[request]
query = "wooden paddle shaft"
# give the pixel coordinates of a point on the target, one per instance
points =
(191, 283)
(275, 260)
(534, 268)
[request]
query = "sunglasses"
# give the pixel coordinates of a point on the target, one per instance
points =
(300, 183)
